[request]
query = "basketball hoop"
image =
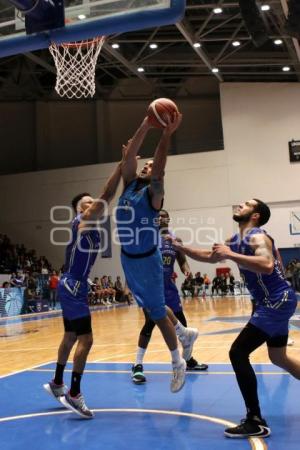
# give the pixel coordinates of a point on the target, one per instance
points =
(75, 64)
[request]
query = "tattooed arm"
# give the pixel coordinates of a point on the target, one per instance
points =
(261, 262)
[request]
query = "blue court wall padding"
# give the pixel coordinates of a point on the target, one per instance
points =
(85, 30)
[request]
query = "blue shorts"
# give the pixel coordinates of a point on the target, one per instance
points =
(275, 322)
(145, 279)
(73, 297)
(172, 298)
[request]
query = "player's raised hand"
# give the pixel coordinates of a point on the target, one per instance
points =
(173, 122)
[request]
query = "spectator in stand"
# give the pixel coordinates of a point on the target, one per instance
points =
(25, 279)
(112, 287)
(32, 282)
(93, 290)
(289, 273)
(53, 283)
(230, 282)
(103, 292)
(223, 285)
(128, 294)
(109, 292)
(198, 284)
(296, 277)
(30, 297)
(17, 258)
(206, 283)
(216, 285)
(187, 287)
(119, 289)
(16, 280)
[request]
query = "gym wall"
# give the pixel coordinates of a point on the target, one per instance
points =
(258, 121)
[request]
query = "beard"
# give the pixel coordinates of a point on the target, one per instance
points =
(242, 219)
(143, 180)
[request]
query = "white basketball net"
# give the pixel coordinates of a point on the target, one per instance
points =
(75, 64)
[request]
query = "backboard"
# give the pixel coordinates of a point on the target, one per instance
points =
(85, 19)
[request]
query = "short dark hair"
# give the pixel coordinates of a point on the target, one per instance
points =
(263, 210)
(77, 199)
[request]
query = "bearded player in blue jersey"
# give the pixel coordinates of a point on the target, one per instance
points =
(169, 256)
(73, 294)
(137, 220)
(275, 302)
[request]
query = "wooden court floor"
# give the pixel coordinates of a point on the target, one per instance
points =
(24, 344)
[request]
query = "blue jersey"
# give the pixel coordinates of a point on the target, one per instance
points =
(137, 220)
(81, 252)
(269, 290)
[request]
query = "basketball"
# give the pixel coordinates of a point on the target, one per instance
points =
(159, 111)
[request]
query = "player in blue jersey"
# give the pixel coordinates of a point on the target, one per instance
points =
(172, 299)
(73, 294)
(275, 302)
(137, 220)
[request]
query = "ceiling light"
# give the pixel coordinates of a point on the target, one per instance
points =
(197, 45)
(286, 69)
(140, 69)
(153, 46)
(218, 10)
(265, 7)
(215, 70)
(81, 16)
(278, 42)
(236, 43)
(115, 45)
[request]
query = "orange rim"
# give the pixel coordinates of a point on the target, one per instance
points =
(84, 43)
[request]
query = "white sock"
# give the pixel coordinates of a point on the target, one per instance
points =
(140, 355)
(176, 358)
(180, 329)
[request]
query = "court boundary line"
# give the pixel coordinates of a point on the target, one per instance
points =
(255, 443)
(159, 372)
(27, 369)
(56, 313)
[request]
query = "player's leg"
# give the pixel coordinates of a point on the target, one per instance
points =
(278, 355)
(192, 363)
(56, 387)
(248, 340)
(148, 291)
(74, 399)
(158, 313)
(167, 330)
(137, 375)
(186, 336)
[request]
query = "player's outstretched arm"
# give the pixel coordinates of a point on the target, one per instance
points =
(156, 188)
(194, 253)
(130, 152)
(182, 261)
(97, 208)
(261, 262)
